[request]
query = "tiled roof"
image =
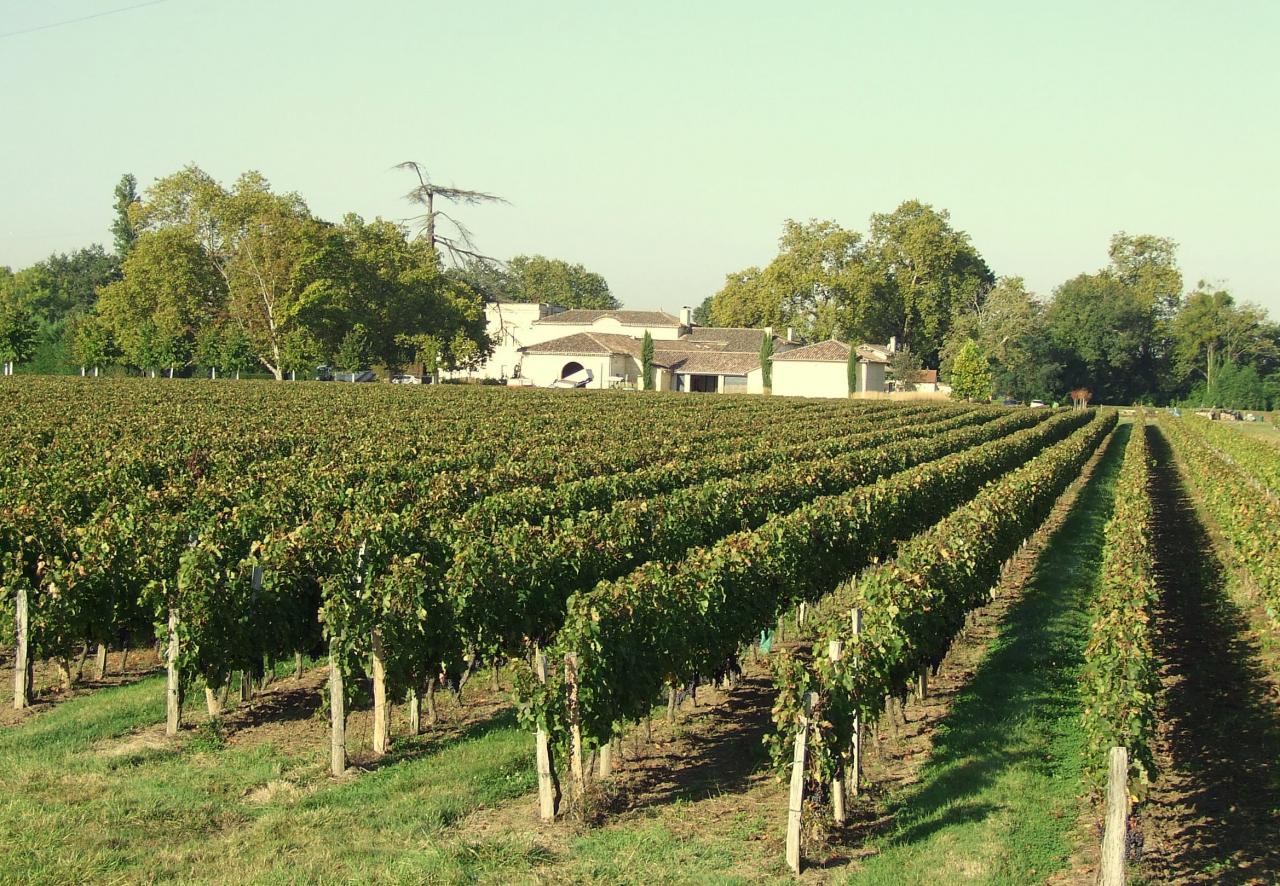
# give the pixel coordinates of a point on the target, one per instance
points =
(583, 317)
(829, 351)
(874, 353)
(928, 376)
(593, 344)
(733, 363)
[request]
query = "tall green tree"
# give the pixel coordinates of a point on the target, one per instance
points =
(905, 368)
(925, 272)
(766, 361)
(646, 362)
(1149, 266)
(168, 293)
(851, 370)
(1010, 327)
(536, 278)
(1211, 330)
(17, 334)
(970, 376)
(122, 230)
(817, 283)
(1102, 332)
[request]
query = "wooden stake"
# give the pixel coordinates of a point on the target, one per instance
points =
(381, 720)
(606, 759)
(415, 711)
(246, 686)
(795, 804)
(548, 793)
(835, 651)
(493, 677)
(337, 712)
(1115, 833)
(22, 691)
(100, 665)
(211, 702)
(297, 665)
(853, 772)
(671, 704)
(922, 683)
(432, 718)
(173, 685)
(575, 728)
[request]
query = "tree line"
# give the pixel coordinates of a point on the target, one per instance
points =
(1127, 332)
(215, 278)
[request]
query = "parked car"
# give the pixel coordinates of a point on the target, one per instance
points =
(405, 379)
(324, 373)
(1037, 404)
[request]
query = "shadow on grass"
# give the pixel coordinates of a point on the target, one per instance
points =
(1224, 725)
(1027, 681)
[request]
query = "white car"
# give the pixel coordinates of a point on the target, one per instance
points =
(406, 380)
(1037, 403)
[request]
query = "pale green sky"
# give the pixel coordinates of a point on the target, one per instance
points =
(664, 143)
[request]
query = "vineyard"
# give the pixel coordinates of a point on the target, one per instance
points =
(508, 603)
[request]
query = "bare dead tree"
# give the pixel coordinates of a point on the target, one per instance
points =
(460, 246)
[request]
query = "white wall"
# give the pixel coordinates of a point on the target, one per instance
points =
(543, 369)
(804, 378)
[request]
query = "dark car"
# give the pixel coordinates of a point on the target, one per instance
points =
(324, 373)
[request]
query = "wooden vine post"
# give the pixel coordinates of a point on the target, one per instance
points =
(381, 720)
(337, 711)
(835, 651)
(853, 771)
(173, 681)
(415, 711)
(575, 728)
(795, 805)
(1115, 835)
(546, 774)
(100, 663)
(22, 690)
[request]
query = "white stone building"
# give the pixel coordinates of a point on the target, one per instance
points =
(822, 370)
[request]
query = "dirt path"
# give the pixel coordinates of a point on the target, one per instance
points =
(1214, 812)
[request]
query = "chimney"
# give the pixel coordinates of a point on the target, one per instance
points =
(791, 333)
(768, 330)
(686, 316)
(893, 344)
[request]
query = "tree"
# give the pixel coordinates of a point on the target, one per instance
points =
(1211, 329)
(970, 376)
(91, 343)
(702, 313)
(851, 370)
(1102, 333)
(17, 335)
(817, 283)
(905, 368)
(925, 272)
(1009, 326)
(122, 229)
(536, 278)
(646, 362)
(1149, 266)
(169, 292)
(353, 353)
(459, 246)
(766, 361)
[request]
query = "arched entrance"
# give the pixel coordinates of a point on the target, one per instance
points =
(570, 368)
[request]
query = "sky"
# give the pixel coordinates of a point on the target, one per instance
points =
(663, 144)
